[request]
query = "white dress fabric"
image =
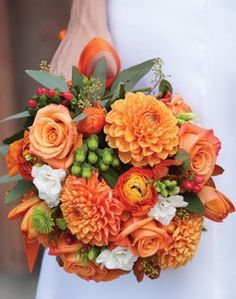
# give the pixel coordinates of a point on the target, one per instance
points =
(197, 41)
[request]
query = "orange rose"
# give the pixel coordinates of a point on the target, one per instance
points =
(53, 136)
(134, 191)
(202, 146)
(93, 122)
(11, 158)
(177, 105)
(143, 237)
(91, 271)
(217, 205)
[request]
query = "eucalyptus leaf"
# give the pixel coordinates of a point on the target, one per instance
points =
(16, 116)
(77, 78)
(20, 189)
(165, 86)
(9, 179)
(100, 73)
(194, 203)
(14, 137)
(119, 93)
(132, 75)
(79, 117)
(4, 150)
(110, 177)
(184, 157)
(48, 80)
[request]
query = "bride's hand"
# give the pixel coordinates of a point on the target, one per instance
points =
(88, 19)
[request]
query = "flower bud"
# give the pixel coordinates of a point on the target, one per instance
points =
(92, 144)
(76, 170)
(103, 166)
(92, 158)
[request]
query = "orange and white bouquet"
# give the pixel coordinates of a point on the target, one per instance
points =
(109, 178)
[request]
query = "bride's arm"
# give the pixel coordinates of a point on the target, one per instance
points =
(88, 19)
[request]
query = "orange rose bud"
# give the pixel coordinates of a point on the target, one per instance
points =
(217, 205)
(202, 146)
(93, 122)
(143, 237)
(11, 158)
(134, 191)
(177, 105)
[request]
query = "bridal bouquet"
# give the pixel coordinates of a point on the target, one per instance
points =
(109, 178)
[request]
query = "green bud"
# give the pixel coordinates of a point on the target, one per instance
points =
(92, 144)
(76, 170)
(107, 158)
(80, 157)
(92, 158)
(115, 162)
(61, 223)
(78, 255)
(28, 157)
(187, 116)
(93, 253)
(103, 166)
(94, 136)
(86, 172)
(166, 182)
(174, 191)
(82, 149)
(85, 261)
(164, 193)
(162, 186)
(173, 184)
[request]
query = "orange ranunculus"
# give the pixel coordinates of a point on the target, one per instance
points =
(11, 158)
(143, 237)
(202, 146)
(91, 271)
(137, 195)
(93, 122)
(53, 136)
(217, 205)
(177, 105)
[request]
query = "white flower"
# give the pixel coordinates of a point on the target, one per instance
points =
(118, 258)
(164, 211)
(48, 182)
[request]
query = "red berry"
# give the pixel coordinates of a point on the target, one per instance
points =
(187, 185)
(198, 179)
(65, 103)
(67, 96)
(69, 239)
(32, 104)
(44, 90)
(196, 188)
(51, 93)
(39, 91)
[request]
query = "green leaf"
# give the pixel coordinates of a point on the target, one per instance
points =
(100, 73)
(110, 177)
(132, 75)
(48, 80)
(79, 117)
(77, 78)
(194, 203)
(20, 189)
(14, 137)
(9, 179)
(119, 93)
(184, 157)
(165, 86)
(16, 116)
(4, 150)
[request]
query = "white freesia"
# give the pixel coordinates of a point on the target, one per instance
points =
(118, 258)
(48, 182)
(164, 211)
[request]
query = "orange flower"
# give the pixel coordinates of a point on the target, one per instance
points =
(90, 210)
(11, 158)
(161, 170)
(143, 237)
(143, 130)
(217, 205)
(94, 121)
(53, 136)
(91, 271)
(202, 146)
(177, 105)
(136, 194)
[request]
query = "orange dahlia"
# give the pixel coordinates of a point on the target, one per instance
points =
(143, 130)
(186, 235)
(91, 211)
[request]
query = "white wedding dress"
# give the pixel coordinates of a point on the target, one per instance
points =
(197, 41)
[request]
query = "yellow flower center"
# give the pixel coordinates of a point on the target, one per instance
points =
(135, 188)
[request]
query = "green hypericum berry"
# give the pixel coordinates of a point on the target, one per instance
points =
(94, 136)
(167, 182)
(86, 172)
(107, 158)
(115, 162)
(83, 148)
(85, 261)
(92, 158)
(80, 157)
(78, 255)
(164, 193)
(173, 183)
(92, 144)
(42, 221)
(93, 253)
(61, 223)
(75, 170)
(103, 166)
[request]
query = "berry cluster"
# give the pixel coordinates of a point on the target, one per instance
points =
(193, 183)
(166, 187)
(89, 157)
